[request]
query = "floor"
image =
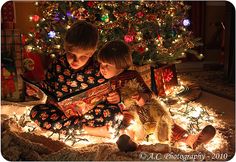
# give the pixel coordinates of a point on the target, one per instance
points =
(219, 103)
(222, 106)
(223, 103)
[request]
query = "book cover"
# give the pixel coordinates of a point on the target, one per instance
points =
(77, 103)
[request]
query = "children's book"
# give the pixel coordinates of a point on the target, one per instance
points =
(76, 104)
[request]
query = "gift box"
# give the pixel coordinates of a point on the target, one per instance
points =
(33, 66)
(8, 15)
(11, 65)
(163, 78)
(159, 79)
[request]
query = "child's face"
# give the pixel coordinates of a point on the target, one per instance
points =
(79, 57)
(108, 70)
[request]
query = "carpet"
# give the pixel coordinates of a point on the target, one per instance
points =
(19, 143)
(23, 146)
(210, 81)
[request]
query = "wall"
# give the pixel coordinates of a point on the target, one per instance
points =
(23, 10)
(215, 18)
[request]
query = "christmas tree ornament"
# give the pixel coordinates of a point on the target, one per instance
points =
(28, 48)
(28, 64)
(114, 19)
(140, 14)
(57, 18)
(90, 4)
(105, 17)
(128, 38)
(141, 49)
(35, 18)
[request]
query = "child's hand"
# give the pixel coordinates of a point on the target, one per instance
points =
(113, 97)
(140, 98)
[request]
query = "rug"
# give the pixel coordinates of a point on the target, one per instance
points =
(210, 81)
(19, 143)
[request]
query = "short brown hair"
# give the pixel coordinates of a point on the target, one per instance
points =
(82, 34)
(117, 53)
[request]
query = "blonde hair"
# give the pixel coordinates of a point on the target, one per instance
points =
(117, 53)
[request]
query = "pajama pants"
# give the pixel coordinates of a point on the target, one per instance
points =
(49, 117)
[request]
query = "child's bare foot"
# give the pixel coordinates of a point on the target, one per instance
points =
(203, 137)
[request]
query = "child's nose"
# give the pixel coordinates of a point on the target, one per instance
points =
(75, 59)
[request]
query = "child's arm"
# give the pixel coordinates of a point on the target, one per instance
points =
(113, 97)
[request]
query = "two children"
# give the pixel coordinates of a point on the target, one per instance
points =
(72, 73)
(75, 72)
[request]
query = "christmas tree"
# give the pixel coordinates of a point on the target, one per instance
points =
(157, 31)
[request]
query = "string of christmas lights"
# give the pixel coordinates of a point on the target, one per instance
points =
(157, 31)
(192, 116)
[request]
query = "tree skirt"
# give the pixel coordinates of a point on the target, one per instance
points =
(20, 144)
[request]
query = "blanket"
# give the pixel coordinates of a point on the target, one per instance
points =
(20, 144)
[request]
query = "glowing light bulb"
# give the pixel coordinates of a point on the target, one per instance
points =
(186, 22)
(51, 34)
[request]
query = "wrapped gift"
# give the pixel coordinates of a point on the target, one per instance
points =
(163, 78)
(157, 84)
(8, 15)
(33, 66)
(159, 79)
(11, 65)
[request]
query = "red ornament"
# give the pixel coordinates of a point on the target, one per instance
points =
(35, 18)
(81, 14)
(128, 38)
(140, 14)
(90, 4)
(167, 75)
(141, 49)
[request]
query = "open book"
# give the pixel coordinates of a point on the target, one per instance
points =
(77, 103)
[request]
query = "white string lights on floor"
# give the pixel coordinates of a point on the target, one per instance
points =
(192, 116)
